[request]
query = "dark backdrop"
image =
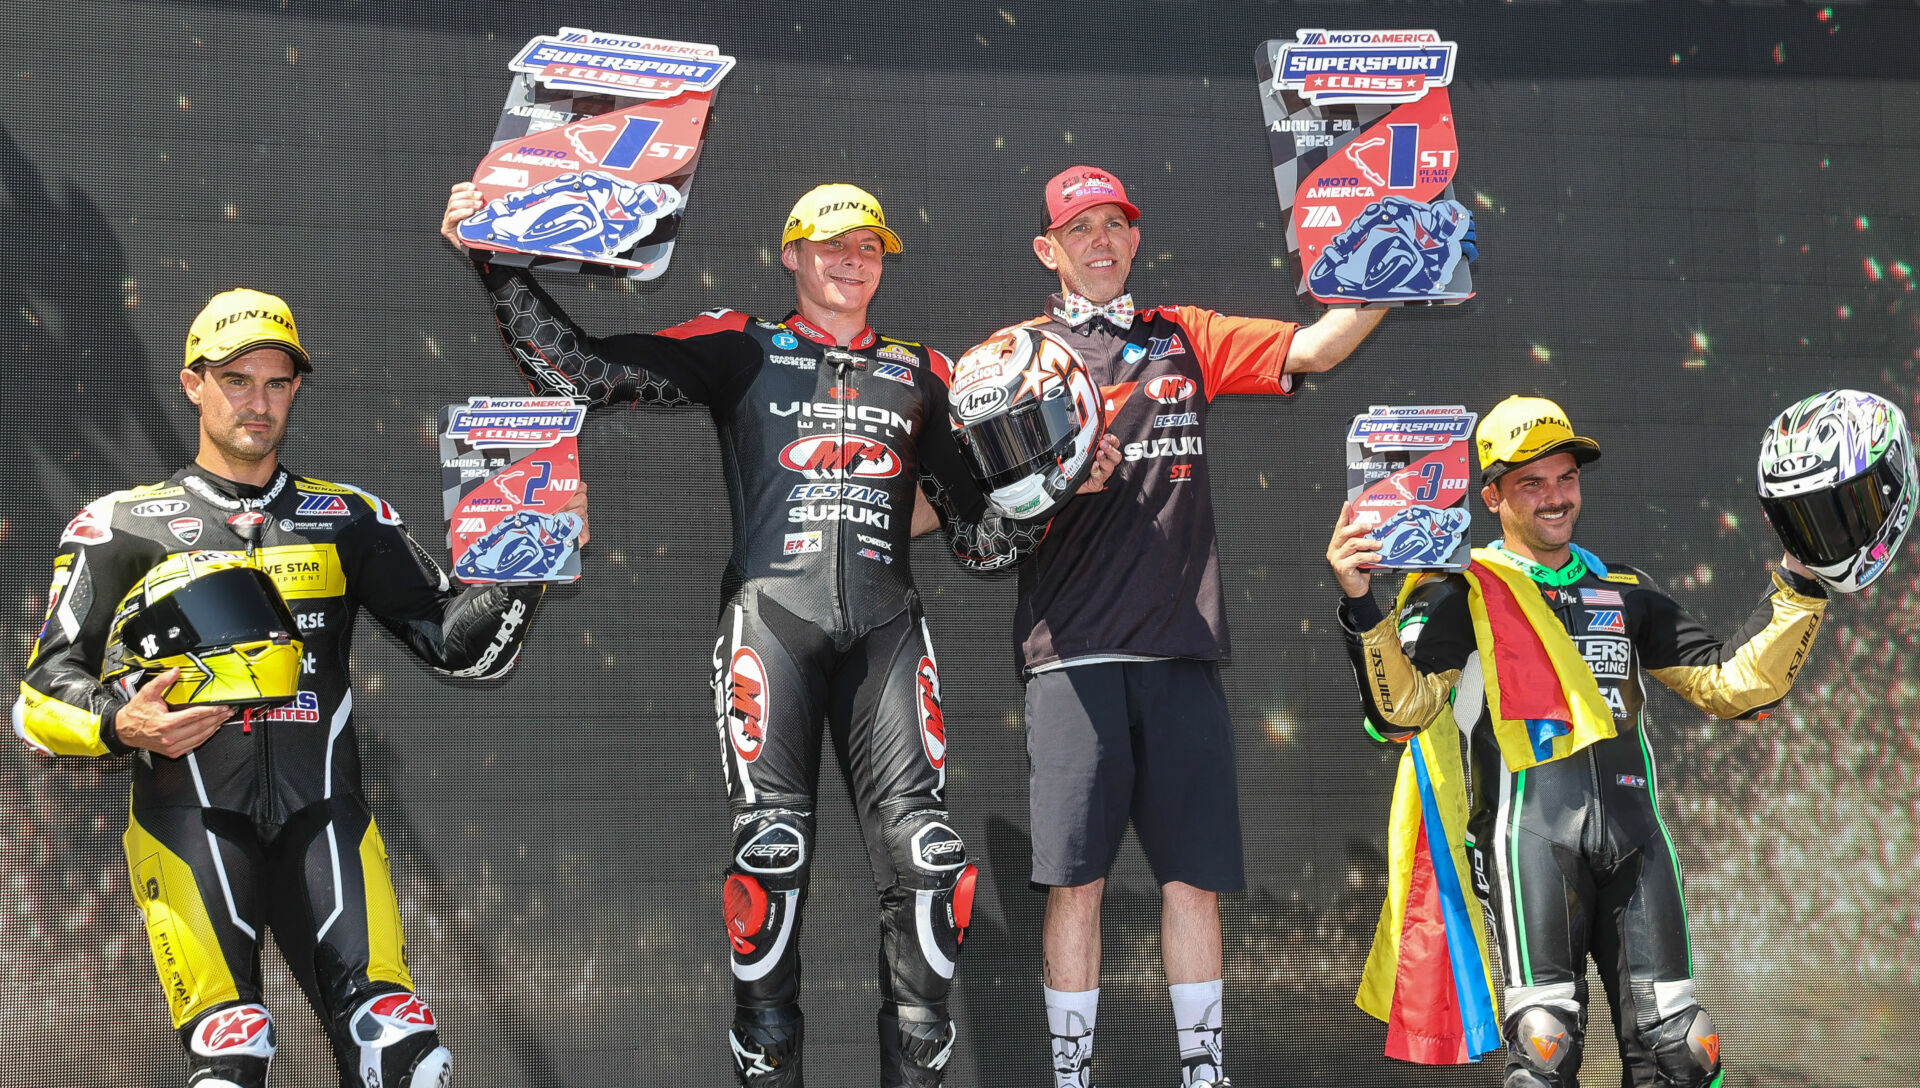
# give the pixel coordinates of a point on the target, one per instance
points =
(1691, 214)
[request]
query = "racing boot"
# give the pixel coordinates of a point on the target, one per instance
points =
(915, 1043)
(766, 1047)
(230, 1047)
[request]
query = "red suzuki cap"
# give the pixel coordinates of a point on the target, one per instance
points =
(1078, 188)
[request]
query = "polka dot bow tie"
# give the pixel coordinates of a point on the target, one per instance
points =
(1077, 310)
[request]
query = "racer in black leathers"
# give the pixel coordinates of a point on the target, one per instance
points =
(821, 447)
(264, 824)
(1571, 855)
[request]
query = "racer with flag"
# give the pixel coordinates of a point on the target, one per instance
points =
(1539, 652)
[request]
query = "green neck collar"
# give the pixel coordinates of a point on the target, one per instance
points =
(1579, 563)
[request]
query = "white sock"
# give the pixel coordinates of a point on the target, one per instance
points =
(1070, 1015)
(1196, 1016)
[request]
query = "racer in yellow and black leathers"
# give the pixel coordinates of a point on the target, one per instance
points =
(264, 825)
(1571, 855)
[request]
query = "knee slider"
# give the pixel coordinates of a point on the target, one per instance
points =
(1544, 1042)
(931, 861)
(1686, 1047)
(766, 1046)
(231, 1048)
(398, 1043)
(927, 852)
(772, 850)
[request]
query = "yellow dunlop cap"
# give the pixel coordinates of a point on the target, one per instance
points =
(1523, 429)
(240, 320)
(828, 211)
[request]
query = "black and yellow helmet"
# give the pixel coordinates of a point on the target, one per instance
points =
(219, 620)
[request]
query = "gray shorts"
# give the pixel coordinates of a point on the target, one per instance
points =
(1142, 740)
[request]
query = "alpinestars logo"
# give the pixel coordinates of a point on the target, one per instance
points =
(502, 638)
(245, 1029)
(402, 1010)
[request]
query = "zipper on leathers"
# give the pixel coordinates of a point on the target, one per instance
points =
(840, 475)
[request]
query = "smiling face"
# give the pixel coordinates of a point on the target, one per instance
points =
(244, 404)
(838, 275)
(1538, 505)
(1092, 252)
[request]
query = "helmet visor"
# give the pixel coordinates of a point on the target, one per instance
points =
(1827, 527)
(215, 610)
(1005, 447)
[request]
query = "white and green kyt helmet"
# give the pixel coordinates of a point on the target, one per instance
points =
(1837, 483)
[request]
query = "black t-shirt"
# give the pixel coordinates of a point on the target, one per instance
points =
(1134, 570)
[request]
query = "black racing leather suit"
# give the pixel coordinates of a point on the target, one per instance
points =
(263, 825)
(1571, 856)
(822, 447)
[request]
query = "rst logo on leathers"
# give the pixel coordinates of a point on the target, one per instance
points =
(778, 848)
(937, 848)
(830, 456)
(745, 709)
(933, 728)
(1170, 388)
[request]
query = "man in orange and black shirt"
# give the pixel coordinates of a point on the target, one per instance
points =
(1120, 624)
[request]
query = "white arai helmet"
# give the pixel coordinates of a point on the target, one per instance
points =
(1027, 418)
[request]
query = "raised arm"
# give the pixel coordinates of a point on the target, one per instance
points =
(1742, 676)
(558, 358)
(1324, 344)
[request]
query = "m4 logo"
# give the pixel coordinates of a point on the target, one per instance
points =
(471, 525)
(1321, 215)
